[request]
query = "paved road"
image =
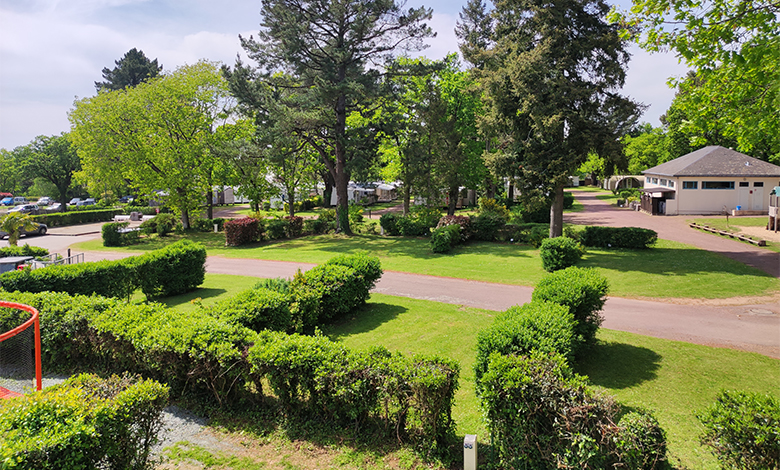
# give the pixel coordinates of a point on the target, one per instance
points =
(744, 326)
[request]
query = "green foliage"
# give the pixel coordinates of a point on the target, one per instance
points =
(256, 309)
(276, 229)
(640, 441)
(537, 326)
(491, 206)
(207, 225)
(162, 224)
(355, 214)
(337, 289)
(568, 200)
(530, 234)
(276, 284)
(316, 226)
(486, 225)
(559, 253)
(25, 250)
(541, 415)
(59, 219)
(87, 422)
(294, 226)
(743, 430)
(618, 237)
(443, 239)
(117, 234)
(175, 269)
(583, 291)
(367, 267)
(242, 231)
(389, 223)
(12, 223)
(131, 70)
(463, 221)
(412, 395)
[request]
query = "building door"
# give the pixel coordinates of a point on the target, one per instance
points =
(758, 199)
(743, 195)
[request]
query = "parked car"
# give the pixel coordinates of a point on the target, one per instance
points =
(41, 229)
(44, 201)
(126, 199)
(20, 200)
(86, 202)
(7, 201)
(25, 209)
(56, 207)
(74, 201)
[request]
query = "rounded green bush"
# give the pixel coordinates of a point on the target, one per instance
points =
(640, 442)
(559, 253)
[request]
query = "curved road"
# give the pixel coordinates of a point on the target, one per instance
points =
(749, 327)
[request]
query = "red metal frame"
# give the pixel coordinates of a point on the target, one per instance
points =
(35, 321)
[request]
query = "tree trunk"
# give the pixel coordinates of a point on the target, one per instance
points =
(407, 198)
(453, 200)
(510, 194)
(328, 192)
(341, 177)
(291, 202)
(556, 213)
(210, 206)
(185, 219)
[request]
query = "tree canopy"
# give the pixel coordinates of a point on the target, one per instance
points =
(552, 85)
(131, 70)
(158, 136)
(334, 51)
(55, 160)
(733, 48)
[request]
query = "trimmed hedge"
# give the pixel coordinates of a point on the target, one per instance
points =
(336, 290)
(175, 269)
(86, 422)
(25, 250)
(57, 219)
(207, 225)
(559, 253)
(256, 309)
(583, 291)
(486, 226)
(618, 237)
(162, 224)
(242, 231)
(742, 429)
(412, 395)
(537, 326)
(116, 234)
(542, 415)
(367, 267)
(191, 351)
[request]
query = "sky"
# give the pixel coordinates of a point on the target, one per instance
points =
(52, 51)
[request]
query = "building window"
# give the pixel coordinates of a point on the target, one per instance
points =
(647, 179)
(758, 184)
(717, 185)
(671, 183)
(669, 196)
(655, 180)
(744, 184)
(663, 182)
(690, 185)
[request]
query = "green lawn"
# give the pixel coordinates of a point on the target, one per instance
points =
(674, 379)
(669, 270)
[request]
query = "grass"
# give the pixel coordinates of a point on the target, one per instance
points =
(674, 379)
(670, 270)
(735, 224)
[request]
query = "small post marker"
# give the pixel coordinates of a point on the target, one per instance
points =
(470, 452)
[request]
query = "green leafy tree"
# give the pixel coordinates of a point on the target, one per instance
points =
(55, 160)
(733, 48)
(554, 89)
(9, 171)
(131, 70)
(334, 50)
(159, 136)
(12, 224)
(474, 29)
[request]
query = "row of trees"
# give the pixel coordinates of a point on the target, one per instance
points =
(328, 100)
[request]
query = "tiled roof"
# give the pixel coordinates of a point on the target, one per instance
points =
(715, 161)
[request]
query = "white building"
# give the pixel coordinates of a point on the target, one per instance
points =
(711, 180)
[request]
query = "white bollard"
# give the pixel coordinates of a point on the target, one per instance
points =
(470, 452)
(216, 228)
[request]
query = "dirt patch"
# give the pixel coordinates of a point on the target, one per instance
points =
(761, 233)
(728, 302)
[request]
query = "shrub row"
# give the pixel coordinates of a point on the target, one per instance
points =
(207, 225)
(86, 422)
(242, 231)
(542, 415)
(618, 237)
(254, 229)
(25, 250)
(190, 351)
(413, 396)
(530, 234)
(410, 397)
(321, 295)
(417, 224)
(175, 269)
(56, 219)
(444, 238)
(559, 253)
(162, 224)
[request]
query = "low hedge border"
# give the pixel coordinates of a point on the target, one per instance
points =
(25, 250)
(618, 237)
(58, 219)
